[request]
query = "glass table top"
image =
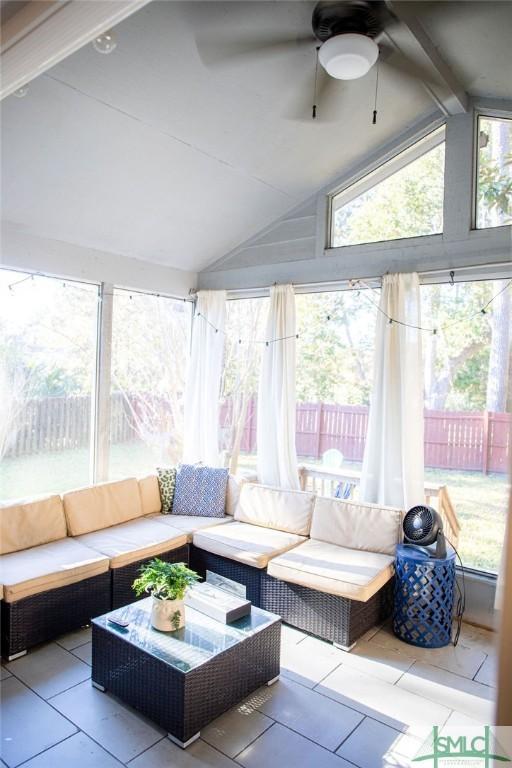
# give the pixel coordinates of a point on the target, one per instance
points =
(198, 641)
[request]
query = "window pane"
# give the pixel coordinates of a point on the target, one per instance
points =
(408, 203)
(47, 354)
(246, 321)
(334, 376)
(150, 347)
(468, 424)
(494, 188)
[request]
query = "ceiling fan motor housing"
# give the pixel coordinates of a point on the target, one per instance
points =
(340, 17)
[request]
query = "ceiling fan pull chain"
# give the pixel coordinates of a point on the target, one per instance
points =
(374, 121)
(316, 83)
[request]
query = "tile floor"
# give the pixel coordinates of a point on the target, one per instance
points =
(369, 708)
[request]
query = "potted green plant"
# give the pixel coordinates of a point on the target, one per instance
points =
(167, 584)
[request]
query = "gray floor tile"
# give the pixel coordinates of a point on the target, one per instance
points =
(75, 639)
(118, 729)
(479, 639)
(29, 725)
(79, 751)
(233, 731)
(488, 673)
(457, 719)
(373, 745)
(168, 755)
(84, 652)
(290, 635)
(382, 701)
(49, 670)
(281, 748)
(453, 691)
(312, 715)
(460, 659)
(386, 663)
(299, 664)
(4, 673)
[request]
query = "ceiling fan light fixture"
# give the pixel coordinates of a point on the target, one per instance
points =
(348, 56)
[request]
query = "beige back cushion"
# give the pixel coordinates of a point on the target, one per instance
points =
(29, 524)
(288, 511)
(234, 487)
(367, 527)
(150, 495)
(101, 506)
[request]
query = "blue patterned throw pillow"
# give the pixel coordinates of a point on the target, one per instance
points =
(200, 491)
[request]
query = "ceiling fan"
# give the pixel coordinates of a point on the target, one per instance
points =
(349, 39)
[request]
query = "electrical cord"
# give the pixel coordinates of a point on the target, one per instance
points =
(461, 600)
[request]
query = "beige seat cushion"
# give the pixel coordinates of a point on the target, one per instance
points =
(262, 505)
(135, 540)
(150, 495)
(28, 524)
(190, 523)
(333, 569)
(356, 525)
(48, 566)
(1, 591)
(250, 544)
(102, 506)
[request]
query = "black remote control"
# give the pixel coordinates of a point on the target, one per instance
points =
(118, 622)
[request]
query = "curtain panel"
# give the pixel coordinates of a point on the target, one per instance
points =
(393, 465)
(201, 439)
(277, 456)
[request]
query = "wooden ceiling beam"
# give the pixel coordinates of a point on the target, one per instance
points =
(42, 34)
(413, 41)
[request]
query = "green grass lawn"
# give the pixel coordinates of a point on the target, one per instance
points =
(479, 500)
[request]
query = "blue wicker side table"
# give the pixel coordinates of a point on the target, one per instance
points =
(424, 596)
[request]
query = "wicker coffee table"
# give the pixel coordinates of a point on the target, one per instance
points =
(183, 680)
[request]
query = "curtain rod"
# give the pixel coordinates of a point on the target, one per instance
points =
(332, 285)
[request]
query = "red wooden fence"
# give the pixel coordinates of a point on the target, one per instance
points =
(453, 439)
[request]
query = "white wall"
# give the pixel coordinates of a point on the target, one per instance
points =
(23, 251)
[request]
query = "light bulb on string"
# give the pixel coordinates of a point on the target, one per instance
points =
(105, 43)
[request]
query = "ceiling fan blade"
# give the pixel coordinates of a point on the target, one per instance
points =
(327, 101)
(329, 97)
(219, 52)
(396, 61)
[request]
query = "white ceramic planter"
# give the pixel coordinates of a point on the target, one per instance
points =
(167, 615)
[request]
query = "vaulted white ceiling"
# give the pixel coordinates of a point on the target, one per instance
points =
(151, 154)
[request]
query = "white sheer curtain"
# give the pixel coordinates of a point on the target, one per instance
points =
(277, 456)
(393, 468)
(201, 439)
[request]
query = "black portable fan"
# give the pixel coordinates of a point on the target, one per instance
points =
(423, 528)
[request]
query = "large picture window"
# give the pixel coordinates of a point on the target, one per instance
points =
(468, 399)
(494, 172)
(335, 353)
(150, 347)
(403, 198)
(47, 364)
(245, 330)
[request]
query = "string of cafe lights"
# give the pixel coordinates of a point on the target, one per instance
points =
(354, 285)
(357, 285)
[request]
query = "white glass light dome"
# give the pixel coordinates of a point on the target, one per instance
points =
(347, 57)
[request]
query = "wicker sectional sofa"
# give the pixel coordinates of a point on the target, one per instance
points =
(325, 566)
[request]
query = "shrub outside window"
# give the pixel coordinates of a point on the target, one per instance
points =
(403, 198)
(47, 363)
(494, 172)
